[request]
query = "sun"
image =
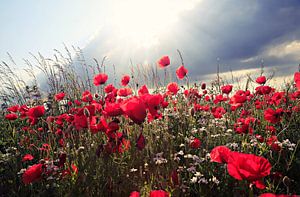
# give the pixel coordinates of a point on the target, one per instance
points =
(145, 21)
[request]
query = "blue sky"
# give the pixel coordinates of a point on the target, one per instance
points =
(32, 26)
(238, 33)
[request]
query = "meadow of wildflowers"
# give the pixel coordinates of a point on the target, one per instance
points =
(123, 139)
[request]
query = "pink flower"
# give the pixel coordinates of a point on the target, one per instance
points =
(27, 157)
(125, 80)
(59, 96)
(134, 194)
(226, 89)
(220, 154)
(100, 79)
(261, 80)
(33, 173)
(172, 88)
(195, 143)
(11, 116)
(181, 72)
(164, 61)
(249, 167)
(159, 193)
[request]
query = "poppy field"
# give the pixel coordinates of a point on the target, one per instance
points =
(182, 138)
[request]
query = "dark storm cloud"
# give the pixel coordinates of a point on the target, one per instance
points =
(231, 31)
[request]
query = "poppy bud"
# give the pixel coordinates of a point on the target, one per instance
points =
(192, 112)
(286, 181)
(86, 112)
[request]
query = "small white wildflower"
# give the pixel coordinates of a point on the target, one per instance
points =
(50, 178)
(207, 156)
(203, 180)
(198, 174)
(202, 129)
(133, 170)
(187, 139)
(22, 171)
(158, 159)
(194, 180)
(161, 161)
(189, 156)
(176, 159)
(194, 130)
(215, 180)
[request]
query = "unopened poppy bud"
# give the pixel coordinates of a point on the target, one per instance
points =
(286, 181)
(86, 112)
(192, 112)
(80, 149)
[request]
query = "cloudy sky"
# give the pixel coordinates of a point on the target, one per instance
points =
(237, 34)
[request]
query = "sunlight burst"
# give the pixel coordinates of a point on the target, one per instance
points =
(143, 21)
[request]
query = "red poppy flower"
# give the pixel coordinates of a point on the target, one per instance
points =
(226, 89)
(195, 143)
(27, 157)
(86, 97)
(74, 168)
(220, 154)
(163, 61)
(239, 97)
(36, 112)
(11, 116)
(263, 90)
(172, 88)
(260, 138)
(203, 86)
(62, 159)
(14, 108)
(109, 88)
(125, 80)
(271, 129)
(124, 92)
(218, 112)
(276, 195)
(181, 72)
(32, 174)
(273, 116)
(249, 167)
(143, 90)
(273, 143)
(59, 96)
(112, 109)
(45, 147)
(261, 80)
(153, 102)
(159, 193)
(134, 194)
(100, 79)
(101, 126)
(141, 142)
(135, 109)
(297, 79)
(77, 102)
(245, 125)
